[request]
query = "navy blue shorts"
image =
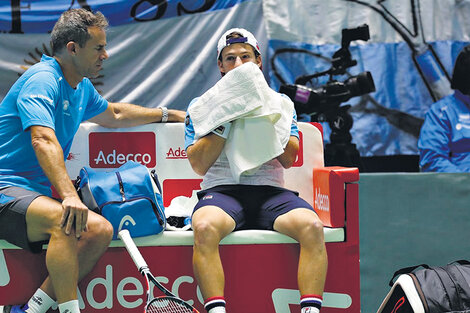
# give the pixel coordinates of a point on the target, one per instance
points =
(14, 202)
(252, 207)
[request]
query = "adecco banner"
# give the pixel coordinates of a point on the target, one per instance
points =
(265, 270)
(113, 149)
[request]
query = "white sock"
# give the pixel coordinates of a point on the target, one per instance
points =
(69, 307)
(310, 310)
(217, 309)
(40, 302)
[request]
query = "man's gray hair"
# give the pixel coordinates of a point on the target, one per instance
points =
(73, 26)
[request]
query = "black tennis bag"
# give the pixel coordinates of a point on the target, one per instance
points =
(425, 289)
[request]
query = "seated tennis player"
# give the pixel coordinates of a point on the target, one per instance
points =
(256, 199)
(38, 120)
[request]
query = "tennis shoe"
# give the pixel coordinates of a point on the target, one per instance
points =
(13, 309)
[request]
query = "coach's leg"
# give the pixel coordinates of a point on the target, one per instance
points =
(210, 225)
(68, 259)
(304, 226)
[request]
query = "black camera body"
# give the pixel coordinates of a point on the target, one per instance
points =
(308, 100)
(323, 104)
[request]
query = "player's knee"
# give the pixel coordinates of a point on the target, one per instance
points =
(312, 231)
(205, 234)
(101, 230)
(106, 231)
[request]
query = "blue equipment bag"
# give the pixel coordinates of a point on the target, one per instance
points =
(129, 197)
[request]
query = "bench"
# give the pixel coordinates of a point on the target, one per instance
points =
(260, 266)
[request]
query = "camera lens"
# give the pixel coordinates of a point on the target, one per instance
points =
(361, 84)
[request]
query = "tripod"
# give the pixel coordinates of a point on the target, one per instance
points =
(340, 150)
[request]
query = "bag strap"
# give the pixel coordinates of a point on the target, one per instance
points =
(76, 185)
(405, 270)
(154, 205)
(155, 179)
(77, 182)
(157, 214)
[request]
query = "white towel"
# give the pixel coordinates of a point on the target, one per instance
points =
(262, 118)
(259, 137)
(233, 96)
(181, 206)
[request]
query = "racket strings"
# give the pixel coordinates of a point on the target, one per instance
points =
(167, 305)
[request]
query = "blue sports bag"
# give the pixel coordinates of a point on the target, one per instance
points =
(129, 197)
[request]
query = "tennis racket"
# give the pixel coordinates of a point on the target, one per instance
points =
(163, 304)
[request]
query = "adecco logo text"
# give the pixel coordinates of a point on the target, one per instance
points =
(178, 153)
(322, 201)
(113, 149)
(111, 292)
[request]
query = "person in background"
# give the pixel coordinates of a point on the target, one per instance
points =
(257, 201)
(444, 140)
(38, 120)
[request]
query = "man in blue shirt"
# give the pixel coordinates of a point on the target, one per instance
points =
(38, 120)
(444, 141)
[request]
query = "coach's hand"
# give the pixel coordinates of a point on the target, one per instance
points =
(75, 212)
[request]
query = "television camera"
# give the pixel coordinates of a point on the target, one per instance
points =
(323, 104)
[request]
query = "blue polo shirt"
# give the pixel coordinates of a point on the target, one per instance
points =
(41, 97)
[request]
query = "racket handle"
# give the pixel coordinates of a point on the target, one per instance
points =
(133, 250)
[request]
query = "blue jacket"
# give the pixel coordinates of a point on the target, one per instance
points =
(444, 141)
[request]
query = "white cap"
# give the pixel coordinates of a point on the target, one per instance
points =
(247, 37)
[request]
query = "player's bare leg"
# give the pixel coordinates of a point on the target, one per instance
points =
(210, 225)
(304, 226)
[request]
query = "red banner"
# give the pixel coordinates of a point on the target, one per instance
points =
(113, 149)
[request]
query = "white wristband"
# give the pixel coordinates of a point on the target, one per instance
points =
(164, 114)
(223, 130)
